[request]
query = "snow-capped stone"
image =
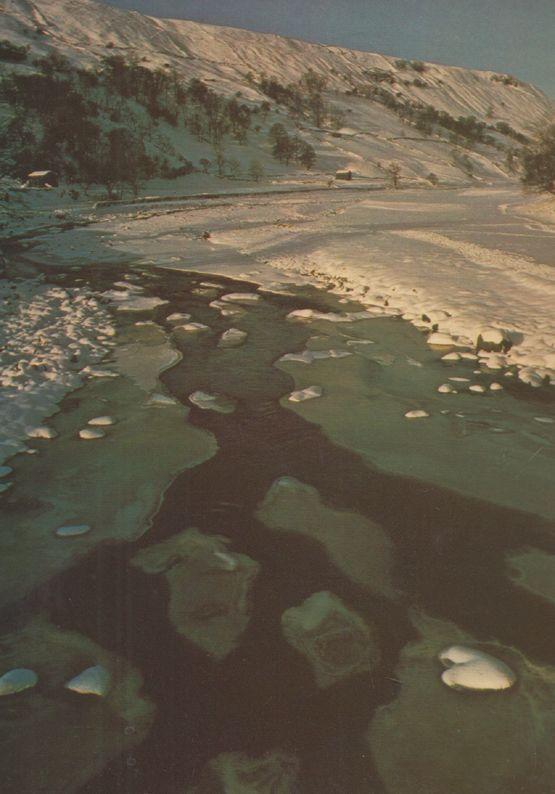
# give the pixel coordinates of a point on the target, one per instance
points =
(495, 386)
(101, 421)
(212, 402)
(446, 388)
(246, 298)
(89, 433)
(178, 317)
(41, 432)
(477, 388)
(233, 337)
(96, 372)
(308, 356)
(305, 394)
(493, 339)
(453, 356)
(546, 420)
(17, 680)
(440, 339)
(92, 681)
(162, 399)
(469, 669)
(192, 328)
(72, 530)
(532, 377)
(417, 414)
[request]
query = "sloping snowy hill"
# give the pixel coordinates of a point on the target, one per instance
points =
(372, 133)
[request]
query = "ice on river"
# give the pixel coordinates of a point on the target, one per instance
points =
(468, 741)
(359, 547)
(335, 640)
(209, 588)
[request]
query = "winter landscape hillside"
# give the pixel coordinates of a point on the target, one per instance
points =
(277, 418)
(361, 111)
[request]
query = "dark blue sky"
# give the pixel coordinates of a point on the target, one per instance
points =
(516, 36)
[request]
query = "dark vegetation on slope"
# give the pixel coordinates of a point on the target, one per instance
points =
(107, 126)
(539, 162)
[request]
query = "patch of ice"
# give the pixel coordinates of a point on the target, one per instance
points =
(72, 530)
(417, 414)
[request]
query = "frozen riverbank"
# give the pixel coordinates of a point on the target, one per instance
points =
(458, 261)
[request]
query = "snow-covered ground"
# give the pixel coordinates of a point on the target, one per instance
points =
(49, 337)
(230, 61)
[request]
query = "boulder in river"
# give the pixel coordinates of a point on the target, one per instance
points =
(335, 640)
(209, 588)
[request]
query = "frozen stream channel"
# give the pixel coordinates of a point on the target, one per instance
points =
(277, 555)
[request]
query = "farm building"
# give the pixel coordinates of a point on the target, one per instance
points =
(42, 179)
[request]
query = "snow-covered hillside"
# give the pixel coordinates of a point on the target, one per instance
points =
(230, 60)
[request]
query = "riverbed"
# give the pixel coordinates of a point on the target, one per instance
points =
(420, 517)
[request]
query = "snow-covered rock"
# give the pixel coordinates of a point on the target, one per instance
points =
(245, 298)
(233, 337)
(101, 421)
(212, 402)
(178, 317)
(305, 394)
(92, 681)
(416, 414)
(493, 339)
(41, 432)
(17, 680)
(90, 433)
(308, 356)
(469, 669)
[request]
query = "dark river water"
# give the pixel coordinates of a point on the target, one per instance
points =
(448, 551)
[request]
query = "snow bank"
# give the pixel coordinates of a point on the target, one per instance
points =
(48, 336)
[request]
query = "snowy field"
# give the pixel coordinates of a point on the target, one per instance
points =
(463, 263)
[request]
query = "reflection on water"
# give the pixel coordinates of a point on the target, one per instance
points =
(195, 606)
